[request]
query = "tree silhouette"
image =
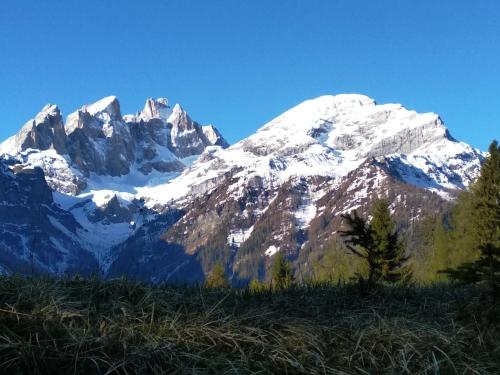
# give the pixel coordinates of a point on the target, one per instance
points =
(281, 273)
(377, 242)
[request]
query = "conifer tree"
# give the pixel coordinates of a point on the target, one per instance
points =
(281, 273)
(359, 240)
(217, 278)
(378, 243)
(391, 249)
(485, 224)
(446, 241)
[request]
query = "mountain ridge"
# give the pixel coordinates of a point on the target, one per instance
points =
(239, 204)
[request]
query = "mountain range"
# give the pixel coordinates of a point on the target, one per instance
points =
(158, 197)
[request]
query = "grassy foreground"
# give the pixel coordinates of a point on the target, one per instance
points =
(72, 326)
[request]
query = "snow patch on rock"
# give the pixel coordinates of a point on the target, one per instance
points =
(237, 236)
(271, 250)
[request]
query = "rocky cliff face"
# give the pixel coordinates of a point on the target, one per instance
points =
(214, 136)
(99, 141)
(36, 235)
(156, 196)
(44, 132)
(96, 139)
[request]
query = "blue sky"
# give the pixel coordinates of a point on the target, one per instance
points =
(238, 63)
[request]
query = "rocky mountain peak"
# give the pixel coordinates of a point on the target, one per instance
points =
(156, 108)
(179, 115)
(106, 108)
(347, 101)
(187, 135)
(350, 123)
(214, 136)
(50, 110)
(92, 118)
(98, 140)
(45, 131)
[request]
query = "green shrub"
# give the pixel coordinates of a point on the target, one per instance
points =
(217, 278)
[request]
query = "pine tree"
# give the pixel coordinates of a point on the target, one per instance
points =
(217, 278)
(378, 243)
(281, 273)
(359, 240)
(484, 220)
(391, 249)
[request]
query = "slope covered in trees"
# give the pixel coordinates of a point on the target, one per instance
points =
(465, 240)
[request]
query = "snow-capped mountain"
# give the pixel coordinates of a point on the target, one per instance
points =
(163, 198)
(96, 159)
(331, 136)
(97, 140)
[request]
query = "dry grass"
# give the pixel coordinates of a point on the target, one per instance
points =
(72, 326)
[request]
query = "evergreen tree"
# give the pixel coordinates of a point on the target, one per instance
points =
(281, 273)
(446, 241)
(359, 240)
(391, 249)
(484, 221)
(378, 244)
(217, 278)
(426, 261)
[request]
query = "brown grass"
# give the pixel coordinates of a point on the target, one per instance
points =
(74, 326)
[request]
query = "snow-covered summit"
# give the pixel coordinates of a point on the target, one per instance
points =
(108, 105)
(153, 109)
(50, 109)
(346, 122)
(330, 136)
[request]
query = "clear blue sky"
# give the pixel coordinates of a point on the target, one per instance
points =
(238, 63)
